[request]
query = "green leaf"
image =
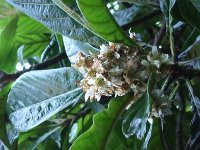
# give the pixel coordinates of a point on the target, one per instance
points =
(193, 64)
(61, 45)
(166, 7)
(189, 12)
(25, 31)
(49, 14)
(73, 46)
(195, 123)
(136, 117)
(6, 14)
(192, 51)
(95, 106)
(43, 138)
(7, 42)
(103, 134)
(38, 95)
(155, 143)
(196, 3)
(142, 2)
(195, 131)
(4, 142)
(102, 22)
(194, 99)
(126, 15)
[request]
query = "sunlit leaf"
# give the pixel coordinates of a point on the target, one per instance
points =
(22, 30)
(102, 22)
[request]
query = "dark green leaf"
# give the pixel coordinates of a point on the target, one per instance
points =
(189, 12)
(191, 64)
(103, 135)
(142, 2)
(43, 138)
(196, 3)
(49, 14)
(195, 132)
(44, 94)
(61, 45)
(192, 51)
(166, 7)
(4, 142)
(95, 106)
(155, 143)
(195, 123)
(136, 118)
(137, 115)
(102, 22)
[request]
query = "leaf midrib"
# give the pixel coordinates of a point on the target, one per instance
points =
(113, 123)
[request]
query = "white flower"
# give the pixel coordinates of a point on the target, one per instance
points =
(145, 63)
(106, 73)
(116, 82)
(98, 96)
(164, 58)
(154, 51)
(103, 49)
(120, 92)
(157, 63)
(90, 94)
(131, 34)
(102, 81)
(117, 55)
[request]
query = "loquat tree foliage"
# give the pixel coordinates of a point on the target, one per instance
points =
(99, 74)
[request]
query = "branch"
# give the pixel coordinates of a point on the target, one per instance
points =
(180, 117)
(76, 116)
(7, 78)
(142, 19)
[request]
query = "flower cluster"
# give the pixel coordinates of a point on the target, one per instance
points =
(115, 71)
(156, 59)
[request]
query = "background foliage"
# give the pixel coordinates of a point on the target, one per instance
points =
(41, 104)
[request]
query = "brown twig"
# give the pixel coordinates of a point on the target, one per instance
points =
(7, 78)
(142, 19)
(180, 117)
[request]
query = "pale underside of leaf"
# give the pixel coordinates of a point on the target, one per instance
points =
(38, 95)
